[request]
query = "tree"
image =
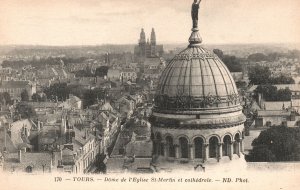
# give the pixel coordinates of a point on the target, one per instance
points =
(35, 97)
(24, 95)
(257, 57)
(25, 111)
(5, 98)
(259, 75)
(84, 73)
(282, 80)
(219, 53)
(232, 63)
(270, 93)
(38, 97)
(57, 91)
(278, 143)
(241, 84)
(284, 95)
(101, 71)
(261, 154)
(90, 97)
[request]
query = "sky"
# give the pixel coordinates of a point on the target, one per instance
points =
(96, 22)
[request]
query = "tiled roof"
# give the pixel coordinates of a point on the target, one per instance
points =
(277, 113)
(139, 149)
(152, 61)
(113, 72)
(80, 136)
(276, 105)
(13, 84)
(35, 160)
(43, 104)
(10, 147)
(292, 87)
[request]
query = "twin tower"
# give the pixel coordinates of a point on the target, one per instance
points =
(147, 49)
(142, 40)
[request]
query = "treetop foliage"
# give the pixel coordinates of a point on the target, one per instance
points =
(278, 143)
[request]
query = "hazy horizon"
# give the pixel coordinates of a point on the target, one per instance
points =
(102, 22)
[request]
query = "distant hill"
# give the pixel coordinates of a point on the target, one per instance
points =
(239, 50)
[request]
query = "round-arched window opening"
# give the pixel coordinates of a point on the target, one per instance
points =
(198, 142)
(213, 147)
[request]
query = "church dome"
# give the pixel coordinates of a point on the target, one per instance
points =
(196, 80)
(197, 116)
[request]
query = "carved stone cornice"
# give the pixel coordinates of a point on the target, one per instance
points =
(197, 123)
(189, 56)
(191, 102)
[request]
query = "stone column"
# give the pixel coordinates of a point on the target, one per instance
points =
(219, 152)
(231, 149)
(166, 150)
(241, 146)
(191, 152)
(163, 145)
(238, 147)
(154, 149)
(177, 156)
(205, 152)
(158, 145)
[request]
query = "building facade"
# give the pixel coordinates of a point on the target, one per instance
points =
(15, 88)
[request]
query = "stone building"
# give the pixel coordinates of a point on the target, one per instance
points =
(15, 88)
(197, 116)
(146, 49)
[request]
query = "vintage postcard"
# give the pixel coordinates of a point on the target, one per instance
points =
(149, 94)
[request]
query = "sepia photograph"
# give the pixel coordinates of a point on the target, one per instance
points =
(131, 94)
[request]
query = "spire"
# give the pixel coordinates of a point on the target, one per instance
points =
(142, 37)
(153, 37)
(195, 38)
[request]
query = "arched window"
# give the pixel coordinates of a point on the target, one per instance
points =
(213, 147)
(29, 169)
(159, 145)
(171, 147)
(152, 136)
(198, 143)
(154, 148)
(236, 143)
(226, 145)
(184, 148)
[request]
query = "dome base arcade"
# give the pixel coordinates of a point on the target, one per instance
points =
(197, 145)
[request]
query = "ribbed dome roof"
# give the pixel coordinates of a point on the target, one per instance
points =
(196, 72)
(196, 79)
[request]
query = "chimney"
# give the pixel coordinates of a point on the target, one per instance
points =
(86, 133)
(52, 159)
(63, 126)
(20, 155)
(61, 154)
(39, 126)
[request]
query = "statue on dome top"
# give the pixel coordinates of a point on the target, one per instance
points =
(195, 8)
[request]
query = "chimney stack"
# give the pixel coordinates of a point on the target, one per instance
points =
(86, 133)
(61, 154)
(39, 126)
(20, 155)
